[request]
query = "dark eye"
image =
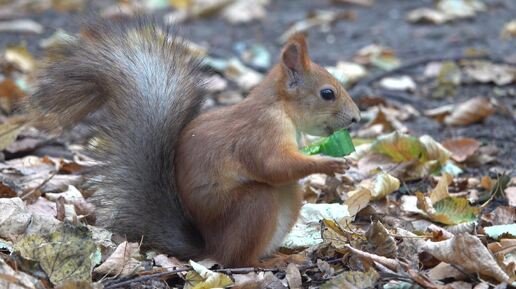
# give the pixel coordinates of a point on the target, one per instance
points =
(327, 94)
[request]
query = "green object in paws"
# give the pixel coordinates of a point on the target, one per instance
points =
(338, 144)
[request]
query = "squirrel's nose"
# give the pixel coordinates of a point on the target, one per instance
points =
(356, 118)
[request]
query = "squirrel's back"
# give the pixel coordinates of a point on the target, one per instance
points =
(146, 82)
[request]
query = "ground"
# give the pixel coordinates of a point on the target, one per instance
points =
(383, 23)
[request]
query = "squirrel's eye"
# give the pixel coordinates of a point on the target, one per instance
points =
(327, 94)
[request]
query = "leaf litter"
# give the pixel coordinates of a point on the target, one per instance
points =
(407, 198)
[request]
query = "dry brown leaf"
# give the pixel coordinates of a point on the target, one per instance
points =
(487, 72)
(461, 148)
(441, 189)
(471, 111)
(510, 193)
(382, 242)
(10, 94)
(14, 218)
(501, 215)
(123, 262)
(468, 252)
(444, 271)
(293, 276)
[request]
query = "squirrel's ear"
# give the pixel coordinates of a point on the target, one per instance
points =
(295, 58)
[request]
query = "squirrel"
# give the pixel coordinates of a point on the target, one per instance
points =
(221, 184)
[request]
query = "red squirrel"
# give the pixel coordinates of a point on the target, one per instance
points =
(221, 184)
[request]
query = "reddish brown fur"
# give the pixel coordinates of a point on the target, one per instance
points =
(238, 167)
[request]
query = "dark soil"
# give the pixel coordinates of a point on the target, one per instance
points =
(383, 23)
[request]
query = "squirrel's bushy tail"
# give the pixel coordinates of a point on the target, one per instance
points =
(147, 84)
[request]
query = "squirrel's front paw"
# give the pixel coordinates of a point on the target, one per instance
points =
(335, 165)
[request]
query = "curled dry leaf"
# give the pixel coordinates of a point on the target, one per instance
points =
(441, 189)
(471, 111)
(382, 242)
(461, 148)
(123, 262)
(468, 252)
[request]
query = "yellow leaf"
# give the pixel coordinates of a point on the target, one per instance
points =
(202, 278)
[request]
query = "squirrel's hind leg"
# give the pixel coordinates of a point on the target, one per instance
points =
(243, 232)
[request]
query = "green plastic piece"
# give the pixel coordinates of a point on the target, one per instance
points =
(338, 144)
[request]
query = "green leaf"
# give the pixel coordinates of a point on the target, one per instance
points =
(453, 211)
(337, 145)
(400, 147)
(495, 232)
(65, 255)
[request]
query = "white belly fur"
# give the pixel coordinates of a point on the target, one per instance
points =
(289, 200)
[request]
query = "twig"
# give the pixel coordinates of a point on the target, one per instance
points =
(363, 84)
(147, 277)
(25, 196)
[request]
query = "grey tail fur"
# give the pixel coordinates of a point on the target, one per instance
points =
(147, 83)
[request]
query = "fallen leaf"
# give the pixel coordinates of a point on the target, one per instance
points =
(444, 271)
(400, 83)
(487, 72)
(509, 30)
(448, 80)
(123, 262)
(461, 148)
(16, 279)
(21, 26)
(9, 133)
(501, 215)
(381, 241)
(14, 218)
(241, 11)
(427, 15)
(20, 57)
(448, 211)
(353, 280)
(510, 193)
(306, 231)
(293, 276)
(10, 95)
(317, 18)
(378, 56)
(66, 254)
(440, 191)
(347, 73)
(202, 278)
(466, 251)
(471, 111)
